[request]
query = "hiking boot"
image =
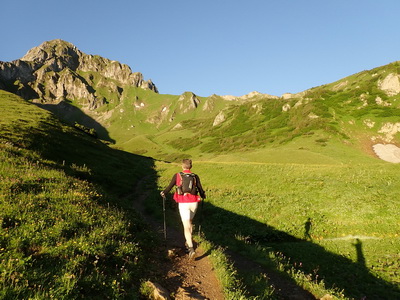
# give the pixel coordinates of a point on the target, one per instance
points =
(191, 252)
(187, 249)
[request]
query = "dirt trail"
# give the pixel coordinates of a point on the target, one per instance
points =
(184, 279)
(195, 279)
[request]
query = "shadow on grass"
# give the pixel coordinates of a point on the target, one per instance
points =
(245, 235)
(115, 174)
(71, 114)
(83, 156)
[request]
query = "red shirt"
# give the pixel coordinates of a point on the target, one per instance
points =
(186, 198)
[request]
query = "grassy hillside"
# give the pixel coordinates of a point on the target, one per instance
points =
(355, 112)
(67, 231)
(347, 116)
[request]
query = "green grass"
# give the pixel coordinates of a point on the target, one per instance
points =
(233, 286)
(304, 197)
(331, 228)
(68, 227)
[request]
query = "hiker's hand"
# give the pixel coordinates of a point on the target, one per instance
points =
(162, 194)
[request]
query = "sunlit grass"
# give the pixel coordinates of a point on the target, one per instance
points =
(284, 215)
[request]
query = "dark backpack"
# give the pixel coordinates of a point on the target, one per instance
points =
(188, 183)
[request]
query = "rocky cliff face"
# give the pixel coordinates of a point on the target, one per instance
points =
(57, 70)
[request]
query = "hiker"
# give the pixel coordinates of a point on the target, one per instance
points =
(187, 196)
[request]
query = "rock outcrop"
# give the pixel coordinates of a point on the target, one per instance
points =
(57, 70)
(188, 101)
(390, 84)
(389, 130)
(253, 96)
(220, 118)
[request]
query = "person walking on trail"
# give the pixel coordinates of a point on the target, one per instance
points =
(188, 194)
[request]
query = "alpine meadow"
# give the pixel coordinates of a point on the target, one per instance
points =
(302, 189)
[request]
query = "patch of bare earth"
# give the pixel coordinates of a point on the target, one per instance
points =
(183, 278)
(190, 278)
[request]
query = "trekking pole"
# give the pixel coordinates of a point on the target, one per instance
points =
(165, 224)
(201, 215)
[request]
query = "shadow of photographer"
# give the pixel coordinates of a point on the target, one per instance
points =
(251, 238)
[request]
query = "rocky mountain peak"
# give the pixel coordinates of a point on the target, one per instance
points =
(50, 50)
(57, 54)
(58, 70)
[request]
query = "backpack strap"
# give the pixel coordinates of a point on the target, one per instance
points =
(194, 180)
(179, 178)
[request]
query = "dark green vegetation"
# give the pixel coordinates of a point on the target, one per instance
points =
(67, 230)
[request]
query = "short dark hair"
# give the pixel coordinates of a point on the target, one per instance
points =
(187, 164)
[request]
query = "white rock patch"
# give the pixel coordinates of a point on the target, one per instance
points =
(388, 152)
(389, 130)
(286, 107)
(219, 119)
(390, 85)
(369, 123)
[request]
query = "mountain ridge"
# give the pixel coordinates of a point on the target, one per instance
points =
(55, 70)
(359, 111)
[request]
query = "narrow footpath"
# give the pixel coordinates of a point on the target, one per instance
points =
(184, 279)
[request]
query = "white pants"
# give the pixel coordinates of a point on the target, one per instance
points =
(187, 212)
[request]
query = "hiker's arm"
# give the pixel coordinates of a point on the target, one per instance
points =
(170, 186)
(200, 188)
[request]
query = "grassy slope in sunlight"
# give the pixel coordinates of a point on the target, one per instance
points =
(333, 228)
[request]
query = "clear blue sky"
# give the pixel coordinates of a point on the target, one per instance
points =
(216, 46)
